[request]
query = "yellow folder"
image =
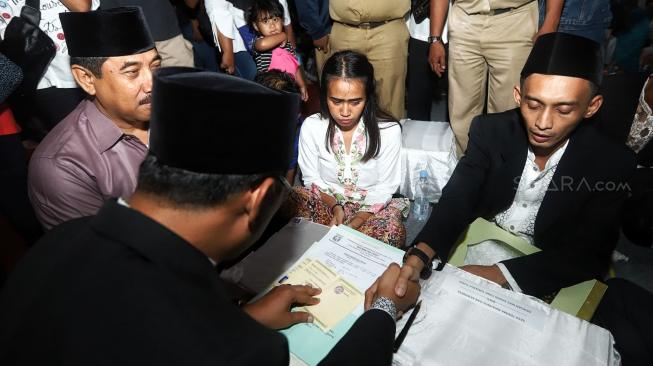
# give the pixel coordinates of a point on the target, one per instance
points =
(580, 300)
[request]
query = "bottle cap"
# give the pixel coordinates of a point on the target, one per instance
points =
(423, 174)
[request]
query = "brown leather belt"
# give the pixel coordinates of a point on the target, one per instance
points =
(500, 11)
(368, 25)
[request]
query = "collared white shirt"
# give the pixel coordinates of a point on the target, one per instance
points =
(519, 218)
(422, 31)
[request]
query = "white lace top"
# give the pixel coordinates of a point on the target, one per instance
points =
(641, 131)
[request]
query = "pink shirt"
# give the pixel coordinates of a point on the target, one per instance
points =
(83, 161)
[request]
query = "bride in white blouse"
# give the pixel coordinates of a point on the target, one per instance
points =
(349, 155)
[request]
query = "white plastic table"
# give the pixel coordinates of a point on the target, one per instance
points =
(427, 145)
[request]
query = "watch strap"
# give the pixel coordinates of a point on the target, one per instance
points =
(428, 264)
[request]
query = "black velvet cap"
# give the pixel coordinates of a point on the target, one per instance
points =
(106, 33)
(214, 123)
(566, 55)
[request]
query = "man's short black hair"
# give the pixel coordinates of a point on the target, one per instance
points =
(92, 64)
(183, 188)
(277, 79)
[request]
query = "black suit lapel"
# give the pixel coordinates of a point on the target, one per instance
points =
(503, 181)
(568, 177)
(645, 156)
(508, 177)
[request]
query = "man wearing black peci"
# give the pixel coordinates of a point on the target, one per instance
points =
(540, 172)
(136, 284)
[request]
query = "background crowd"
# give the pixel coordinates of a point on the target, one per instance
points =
(411, 77)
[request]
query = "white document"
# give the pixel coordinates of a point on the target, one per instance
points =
(359, 260)
(496, 300)
(466, 320)
(354, 257)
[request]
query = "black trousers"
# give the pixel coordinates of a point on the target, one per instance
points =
(627, 311)
(422, 84)
(14, 202)
(38, 113)
(637, 214)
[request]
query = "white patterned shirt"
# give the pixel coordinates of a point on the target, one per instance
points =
(519, 218)
(641, 131)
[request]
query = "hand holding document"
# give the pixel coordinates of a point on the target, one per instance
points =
(353, 258)
(337, 299)
(464, 319)
(273, 309)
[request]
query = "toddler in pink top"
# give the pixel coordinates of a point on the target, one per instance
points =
(271, 50)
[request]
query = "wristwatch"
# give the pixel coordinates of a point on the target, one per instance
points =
(434, 39)
(428, 263)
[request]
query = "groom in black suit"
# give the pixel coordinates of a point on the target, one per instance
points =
(541, 172)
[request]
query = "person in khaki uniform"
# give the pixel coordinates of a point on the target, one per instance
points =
(489, 41)
(377, 29)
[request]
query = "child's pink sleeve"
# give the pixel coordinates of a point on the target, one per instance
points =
(284, 61)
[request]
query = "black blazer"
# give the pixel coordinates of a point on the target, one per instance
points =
(577, 225)
(120, 289)
(620, 99)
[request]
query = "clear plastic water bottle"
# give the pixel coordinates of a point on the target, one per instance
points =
(421, 200)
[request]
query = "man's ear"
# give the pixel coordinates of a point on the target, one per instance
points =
(594, 106)
(84, 78)
(516, 93)
(260, 201)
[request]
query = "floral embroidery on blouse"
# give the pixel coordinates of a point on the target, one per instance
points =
(641, 130)
(348, 165)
